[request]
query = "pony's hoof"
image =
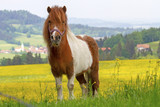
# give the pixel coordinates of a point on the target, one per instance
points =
(71, 98)
(59, 99)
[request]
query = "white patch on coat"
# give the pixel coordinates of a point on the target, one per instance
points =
(82, 58)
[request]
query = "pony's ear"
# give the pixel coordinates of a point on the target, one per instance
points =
(49, 9)
(64, 9)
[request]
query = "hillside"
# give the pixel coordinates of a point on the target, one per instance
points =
(15, 23)
(154, 46)
(114, 24)
(19, 17)
(18, 21)
(21, 26)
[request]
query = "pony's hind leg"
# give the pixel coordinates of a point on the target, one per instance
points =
(83, 84)
(94, 81)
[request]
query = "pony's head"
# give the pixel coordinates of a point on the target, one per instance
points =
(55, 25)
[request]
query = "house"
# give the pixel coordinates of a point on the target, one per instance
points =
(142, 47)
(33, 49)
(108, 49)
(20, 49)
(98, 38)
(5, 51)
(103, 49)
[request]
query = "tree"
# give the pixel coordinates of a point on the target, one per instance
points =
(17, 60)
(24, 58)
(28, 35)
(119, 50)
(130, 48)
(108, 56)
(36, 60)
(125, 53)
(100, 42)
(12, 48)
(114, 40)
(29, 58)
(6, 61)
(158, 50)
(39, 59)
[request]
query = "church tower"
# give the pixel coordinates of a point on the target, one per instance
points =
(22, 47)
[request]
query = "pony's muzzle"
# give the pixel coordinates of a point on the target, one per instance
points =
(58, 37)
(55, 40)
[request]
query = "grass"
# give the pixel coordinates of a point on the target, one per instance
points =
(154, 47)
(6, 46)
(16, 25)
(34, 40)
(8, 55)
(123, 83)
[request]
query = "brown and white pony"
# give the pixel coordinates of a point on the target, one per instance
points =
(74, 56)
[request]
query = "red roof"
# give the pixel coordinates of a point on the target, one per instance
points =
(143, 46)
(103, 49)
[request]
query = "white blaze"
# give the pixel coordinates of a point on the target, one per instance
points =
(54, 33)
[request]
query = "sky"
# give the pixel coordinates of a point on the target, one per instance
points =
(107, 10)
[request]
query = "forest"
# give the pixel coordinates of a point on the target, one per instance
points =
(123, 46)
(25, 58)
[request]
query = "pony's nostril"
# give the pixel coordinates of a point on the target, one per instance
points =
(58, 37)
(51, 37)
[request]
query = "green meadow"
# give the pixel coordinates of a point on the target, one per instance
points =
(123, 83)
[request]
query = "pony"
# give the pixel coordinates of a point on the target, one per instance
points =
(73, 56)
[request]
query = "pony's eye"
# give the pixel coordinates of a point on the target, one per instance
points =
(49, 22)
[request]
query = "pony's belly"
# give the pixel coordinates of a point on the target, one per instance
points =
(80, 67)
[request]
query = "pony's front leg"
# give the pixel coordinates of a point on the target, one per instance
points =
(71, 86)
(59, 88)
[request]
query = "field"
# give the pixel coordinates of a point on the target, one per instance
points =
(154, 46)
(122, 83)
(6, 46)
(34, 40)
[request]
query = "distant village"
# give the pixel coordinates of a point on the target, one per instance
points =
(43, 50)
(139, 48)
(32, 49)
